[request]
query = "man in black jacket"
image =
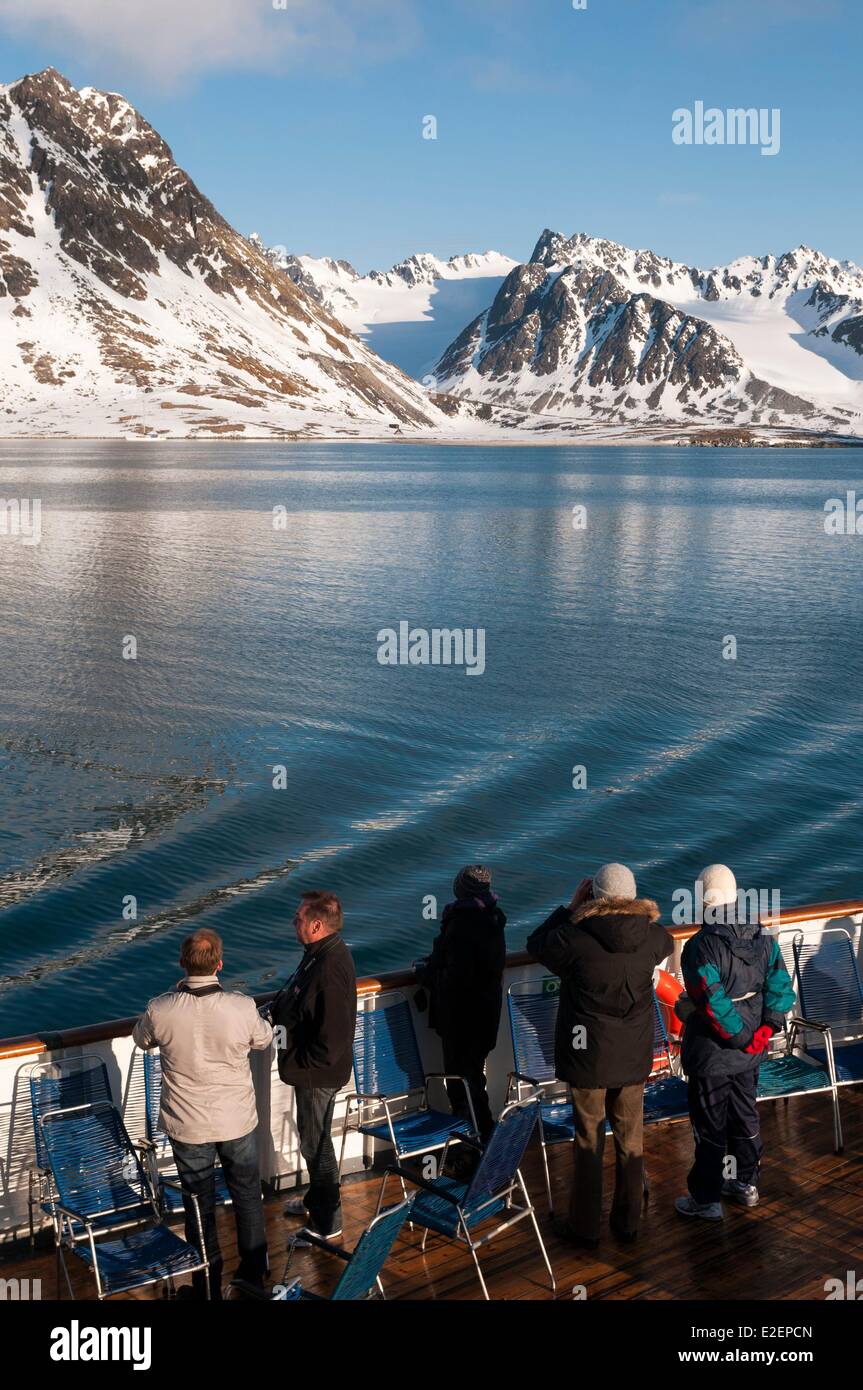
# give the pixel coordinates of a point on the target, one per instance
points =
(605, 947)
(315, 1015)
(464, 976)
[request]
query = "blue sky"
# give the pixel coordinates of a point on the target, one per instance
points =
(305, 123)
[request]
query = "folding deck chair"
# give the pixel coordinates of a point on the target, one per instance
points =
(392, 1090)
(830, 993)
(360, 1278)
(532, 1006)
(166, 1180)
(455, 1210)
(829, 983)
(793, 1067)
(60, 1085)
(101, 1186)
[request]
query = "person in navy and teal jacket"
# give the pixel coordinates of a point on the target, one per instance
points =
(737, 995)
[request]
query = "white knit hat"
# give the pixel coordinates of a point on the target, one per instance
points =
(718, 886)
(614, 881)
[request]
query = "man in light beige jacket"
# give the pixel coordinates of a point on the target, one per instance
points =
(204, 1035)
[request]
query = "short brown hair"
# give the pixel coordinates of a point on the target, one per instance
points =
(201, 952)
(327, 907)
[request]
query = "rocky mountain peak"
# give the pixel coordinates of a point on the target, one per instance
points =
(589, 328)
(422, 268)
(118, 276)
(549, 249)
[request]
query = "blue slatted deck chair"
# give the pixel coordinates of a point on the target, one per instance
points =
(532, 1006)
(455, 1210)
(101, 1183)
(360, 1278)
(831, 991)
(793, 1067)
(59, 1085)
(166, 1180)
(392, 1090)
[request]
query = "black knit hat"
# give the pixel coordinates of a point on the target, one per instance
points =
(472, 881)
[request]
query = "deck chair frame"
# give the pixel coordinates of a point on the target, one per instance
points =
(67, 1070)
(374, 1107)
(75, 1228)
(395, 1215)
(827, 1027)
(508, 1193)
(291, 1290)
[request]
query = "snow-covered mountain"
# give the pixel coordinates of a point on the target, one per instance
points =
(129, 306)
(407, 314)
(588, 330)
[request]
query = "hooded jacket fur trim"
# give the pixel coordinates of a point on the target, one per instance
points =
(617, 907)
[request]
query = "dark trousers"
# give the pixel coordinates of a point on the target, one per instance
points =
(463, 1058)
(724, 1117)
(315, 1106)
(239, 1160)
(624, 1108)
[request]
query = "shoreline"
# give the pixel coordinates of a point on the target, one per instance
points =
(543, 442)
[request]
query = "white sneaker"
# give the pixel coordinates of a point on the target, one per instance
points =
(708, 1211)
(296, 1206)
(744, 1193)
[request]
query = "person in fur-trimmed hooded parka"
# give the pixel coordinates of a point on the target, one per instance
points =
(604, 946)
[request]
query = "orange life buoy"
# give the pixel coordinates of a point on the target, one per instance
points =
(668, 991)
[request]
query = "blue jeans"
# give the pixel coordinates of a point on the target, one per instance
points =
(239, 1160)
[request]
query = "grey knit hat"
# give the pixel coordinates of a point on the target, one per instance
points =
(472, 881)
(614, 881)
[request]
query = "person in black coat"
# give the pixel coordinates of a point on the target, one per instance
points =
(604, 947)
(314, 1015)
(464, 978)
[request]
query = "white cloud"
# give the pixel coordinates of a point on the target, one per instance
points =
(173, 39)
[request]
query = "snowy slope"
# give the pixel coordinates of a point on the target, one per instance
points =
(591, 330)
(407, 314)
(128, 306)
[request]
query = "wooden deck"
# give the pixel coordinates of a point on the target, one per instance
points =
(808, 1228)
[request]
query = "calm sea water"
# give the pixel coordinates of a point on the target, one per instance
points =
(152, 778)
